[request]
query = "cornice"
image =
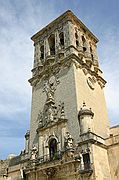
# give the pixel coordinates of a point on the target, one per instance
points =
(85, 112)
(60, 121)
(92, 138)
(50, 25)
(67, 16)
(54, 67)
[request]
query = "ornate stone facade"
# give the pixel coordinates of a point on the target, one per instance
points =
(69, 137)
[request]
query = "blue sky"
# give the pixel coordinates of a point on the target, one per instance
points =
(19, 20)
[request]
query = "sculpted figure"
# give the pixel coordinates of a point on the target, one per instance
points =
(68, 141)
(34, 153)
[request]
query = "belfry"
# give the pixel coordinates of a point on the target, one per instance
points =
(70, 137)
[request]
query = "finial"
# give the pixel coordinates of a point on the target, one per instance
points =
(84, 104)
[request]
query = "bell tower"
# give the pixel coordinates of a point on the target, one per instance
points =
(67, 87)
(66, 73)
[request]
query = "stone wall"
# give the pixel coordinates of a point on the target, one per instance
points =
(93, 96)
(113, 154)
(101, 163)
(114, 130)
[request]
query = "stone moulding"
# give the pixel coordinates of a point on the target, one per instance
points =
(52, 168)
(51, 125)
(65, 63)
(92, 138)
(67, 16)
(85, 112)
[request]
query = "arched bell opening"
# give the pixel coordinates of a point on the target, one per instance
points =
(84, 43)
(91, 51)
(42, 52)
(51, 41)
(76, 35)
(77, 41)
(61, 36)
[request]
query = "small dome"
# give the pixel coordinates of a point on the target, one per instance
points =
(85, 111)
(10, 156)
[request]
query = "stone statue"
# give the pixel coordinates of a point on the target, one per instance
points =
(68, 141)
(50, 87)
(34, 152)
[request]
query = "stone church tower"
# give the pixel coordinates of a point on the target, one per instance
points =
(67, 82)
(69, 133)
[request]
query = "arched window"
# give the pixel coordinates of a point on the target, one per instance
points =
(52, 148)
(42, 51)
(61, 36)
(51, 41)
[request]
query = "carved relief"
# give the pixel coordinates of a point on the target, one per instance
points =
(91, 83)
(51, 112)
(49, 172)
(94, 79)
(85, 71)
(50, 87)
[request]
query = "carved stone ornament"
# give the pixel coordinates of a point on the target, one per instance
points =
(68, 141)
(51, 112)
(49, 172)
(86, 150)
(50, 87)
(102, 85)
(77, 65)
(94, 79)
(34, 152)
(85, 111)
(91, 83)
(85, 71)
